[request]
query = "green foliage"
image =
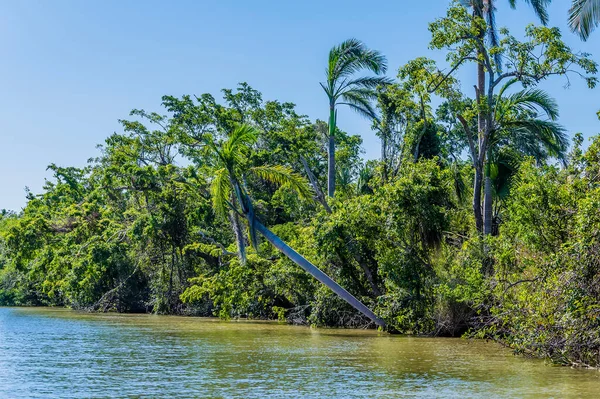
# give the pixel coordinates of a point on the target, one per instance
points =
(379, 246)
(341, 87)
(542, 54)
(543, 298)
(165, 219)
(237, 290)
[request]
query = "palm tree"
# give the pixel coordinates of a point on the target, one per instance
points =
(518, 125)
(345, 60)
(487, 9)
(584, 17)
(231, 197)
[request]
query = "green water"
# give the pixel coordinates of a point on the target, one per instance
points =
(55, 353)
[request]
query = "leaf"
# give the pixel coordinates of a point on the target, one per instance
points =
(284, 176)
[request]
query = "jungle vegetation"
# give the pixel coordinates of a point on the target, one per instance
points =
(481, 216)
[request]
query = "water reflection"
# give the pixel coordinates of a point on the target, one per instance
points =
(49, 353)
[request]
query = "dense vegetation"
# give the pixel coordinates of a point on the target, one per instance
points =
(477, 217)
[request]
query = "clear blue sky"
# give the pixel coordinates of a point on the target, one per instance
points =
(71, 69)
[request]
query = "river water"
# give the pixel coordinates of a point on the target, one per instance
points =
(57, 353)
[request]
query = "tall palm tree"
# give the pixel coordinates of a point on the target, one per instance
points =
(487, 9)
(231, 196)
(342, 88)
(584, 17)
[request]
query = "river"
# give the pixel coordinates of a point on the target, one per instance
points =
(57, 353)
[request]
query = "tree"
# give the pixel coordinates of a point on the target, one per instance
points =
(484, 24)
(526, 121)
(486, 9)
(342, 88)
(389, 127)
(420, 79)
(230, 193)
(584, 17)
(544, 54)
(524, 126)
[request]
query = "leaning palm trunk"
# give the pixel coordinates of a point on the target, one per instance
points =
(229, 190)
(316, 273)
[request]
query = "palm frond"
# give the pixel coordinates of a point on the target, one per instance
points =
(584, 17)
(460, 187)
(365, 176)
(358, 100)
(284, 176)
(490, 17)
(374, 61)
(540, 8)
(540, 138)
(328, 90)
(365, 82)
(505, 168)
(506, 86)
(342, 59)
(532, 100)
(234, 149)
(352, 55)
(242, 136)
(221, 191)
(344, 176)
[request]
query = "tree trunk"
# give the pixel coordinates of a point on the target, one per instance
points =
(315, 184)
(481, 117)
(384, 160)
(423, 131)
(239, 235)
(477, 198)
(369, 275)
(480, 132)
(487, 206)
(317, 273)
(331, 154)
(417, 145)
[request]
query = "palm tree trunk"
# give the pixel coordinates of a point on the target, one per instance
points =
(317, 273)
(487, 206)
(481, 117)
(315, 185)
(239, 235)
(423, 131)
(479, 177)
(477, 198)
(384, 160)
(331, 154)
